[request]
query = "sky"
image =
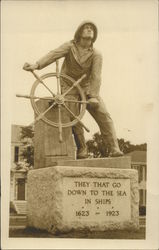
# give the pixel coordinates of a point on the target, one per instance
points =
(127, 39)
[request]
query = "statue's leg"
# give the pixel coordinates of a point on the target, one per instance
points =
(78, 133)
(105, 123)
(77, 129)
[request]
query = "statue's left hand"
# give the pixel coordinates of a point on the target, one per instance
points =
(30, 67)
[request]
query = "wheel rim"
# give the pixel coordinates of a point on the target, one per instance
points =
(56, 124)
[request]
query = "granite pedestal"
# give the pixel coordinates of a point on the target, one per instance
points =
(65, 198)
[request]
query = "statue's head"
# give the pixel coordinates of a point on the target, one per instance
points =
(87, 29)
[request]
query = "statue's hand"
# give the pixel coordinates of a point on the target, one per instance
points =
(30, 67)
(93, 102)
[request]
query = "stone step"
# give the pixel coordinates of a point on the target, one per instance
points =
(142, 221)
(20, 206)
(16, 221)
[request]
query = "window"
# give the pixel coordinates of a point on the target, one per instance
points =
(141, 194)
(16, 154)
(28, 149)
(140, 173)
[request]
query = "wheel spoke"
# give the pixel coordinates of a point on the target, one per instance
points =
(60, 123)
(75, 101)
(76, 117)
(74, 85)
(35, 97)
(42, 114)
(58, 77)
(40, 80)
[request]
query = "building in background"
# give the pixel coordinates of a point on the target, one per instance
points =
(18, 174)
(138, 161)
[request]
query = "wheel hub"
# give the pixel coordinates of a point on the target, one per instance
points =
(59, 99)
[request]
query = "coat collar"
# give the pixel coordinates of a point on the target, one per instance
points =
(75, 52)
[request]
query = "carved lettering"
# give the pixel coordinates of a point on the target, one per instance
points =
(81, 184)
(107, 192)
(77, 192)
(82, 213)
(121, 193)
(100, 184)
(92, 199)
(102, 201)
(94, 192)
(112, 213)
(87, 201)
(116, 185)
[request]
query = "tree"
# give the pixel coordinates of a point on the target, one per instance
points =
(27, 132)
(102, 148)
(27, 135)
(125, 146)
(97, 148)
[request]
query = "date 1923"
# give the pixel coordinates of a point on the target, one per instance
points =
(112, 213)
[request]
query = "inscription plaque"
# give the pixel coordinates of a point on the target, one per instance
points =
(96, 199)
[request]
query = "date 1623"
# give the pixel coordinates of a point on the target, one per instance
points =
(82, 213)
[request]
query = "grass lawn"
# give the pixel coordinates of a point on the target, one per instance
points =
(116, 234)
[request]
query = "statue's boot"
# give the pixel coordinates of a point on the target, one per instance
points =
(116, 154)
(82, 153)
(81, 146)
(109, 138)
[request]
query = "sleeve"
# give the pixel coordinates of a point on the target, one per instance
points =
(95, 76)
(53, 55)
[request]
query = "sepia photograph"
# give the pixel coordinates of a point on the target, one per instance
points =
(79, 130)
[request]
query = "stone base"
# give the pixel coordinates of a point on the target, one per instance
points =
(63, 198)
(116, 162)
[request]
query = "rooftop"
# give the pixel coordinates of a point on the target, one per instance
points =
(138, 156)
(15, 133)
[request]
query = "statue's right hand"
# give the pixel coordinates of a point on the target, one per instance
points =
(30, 67)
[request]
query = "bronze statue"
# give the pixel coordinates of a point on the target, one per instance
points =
(83, 64)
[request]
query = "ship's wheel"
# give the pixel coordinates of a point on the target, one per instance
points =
(57, 99)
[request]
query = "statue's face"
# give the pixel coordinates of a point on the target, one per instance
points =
(87, 31)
